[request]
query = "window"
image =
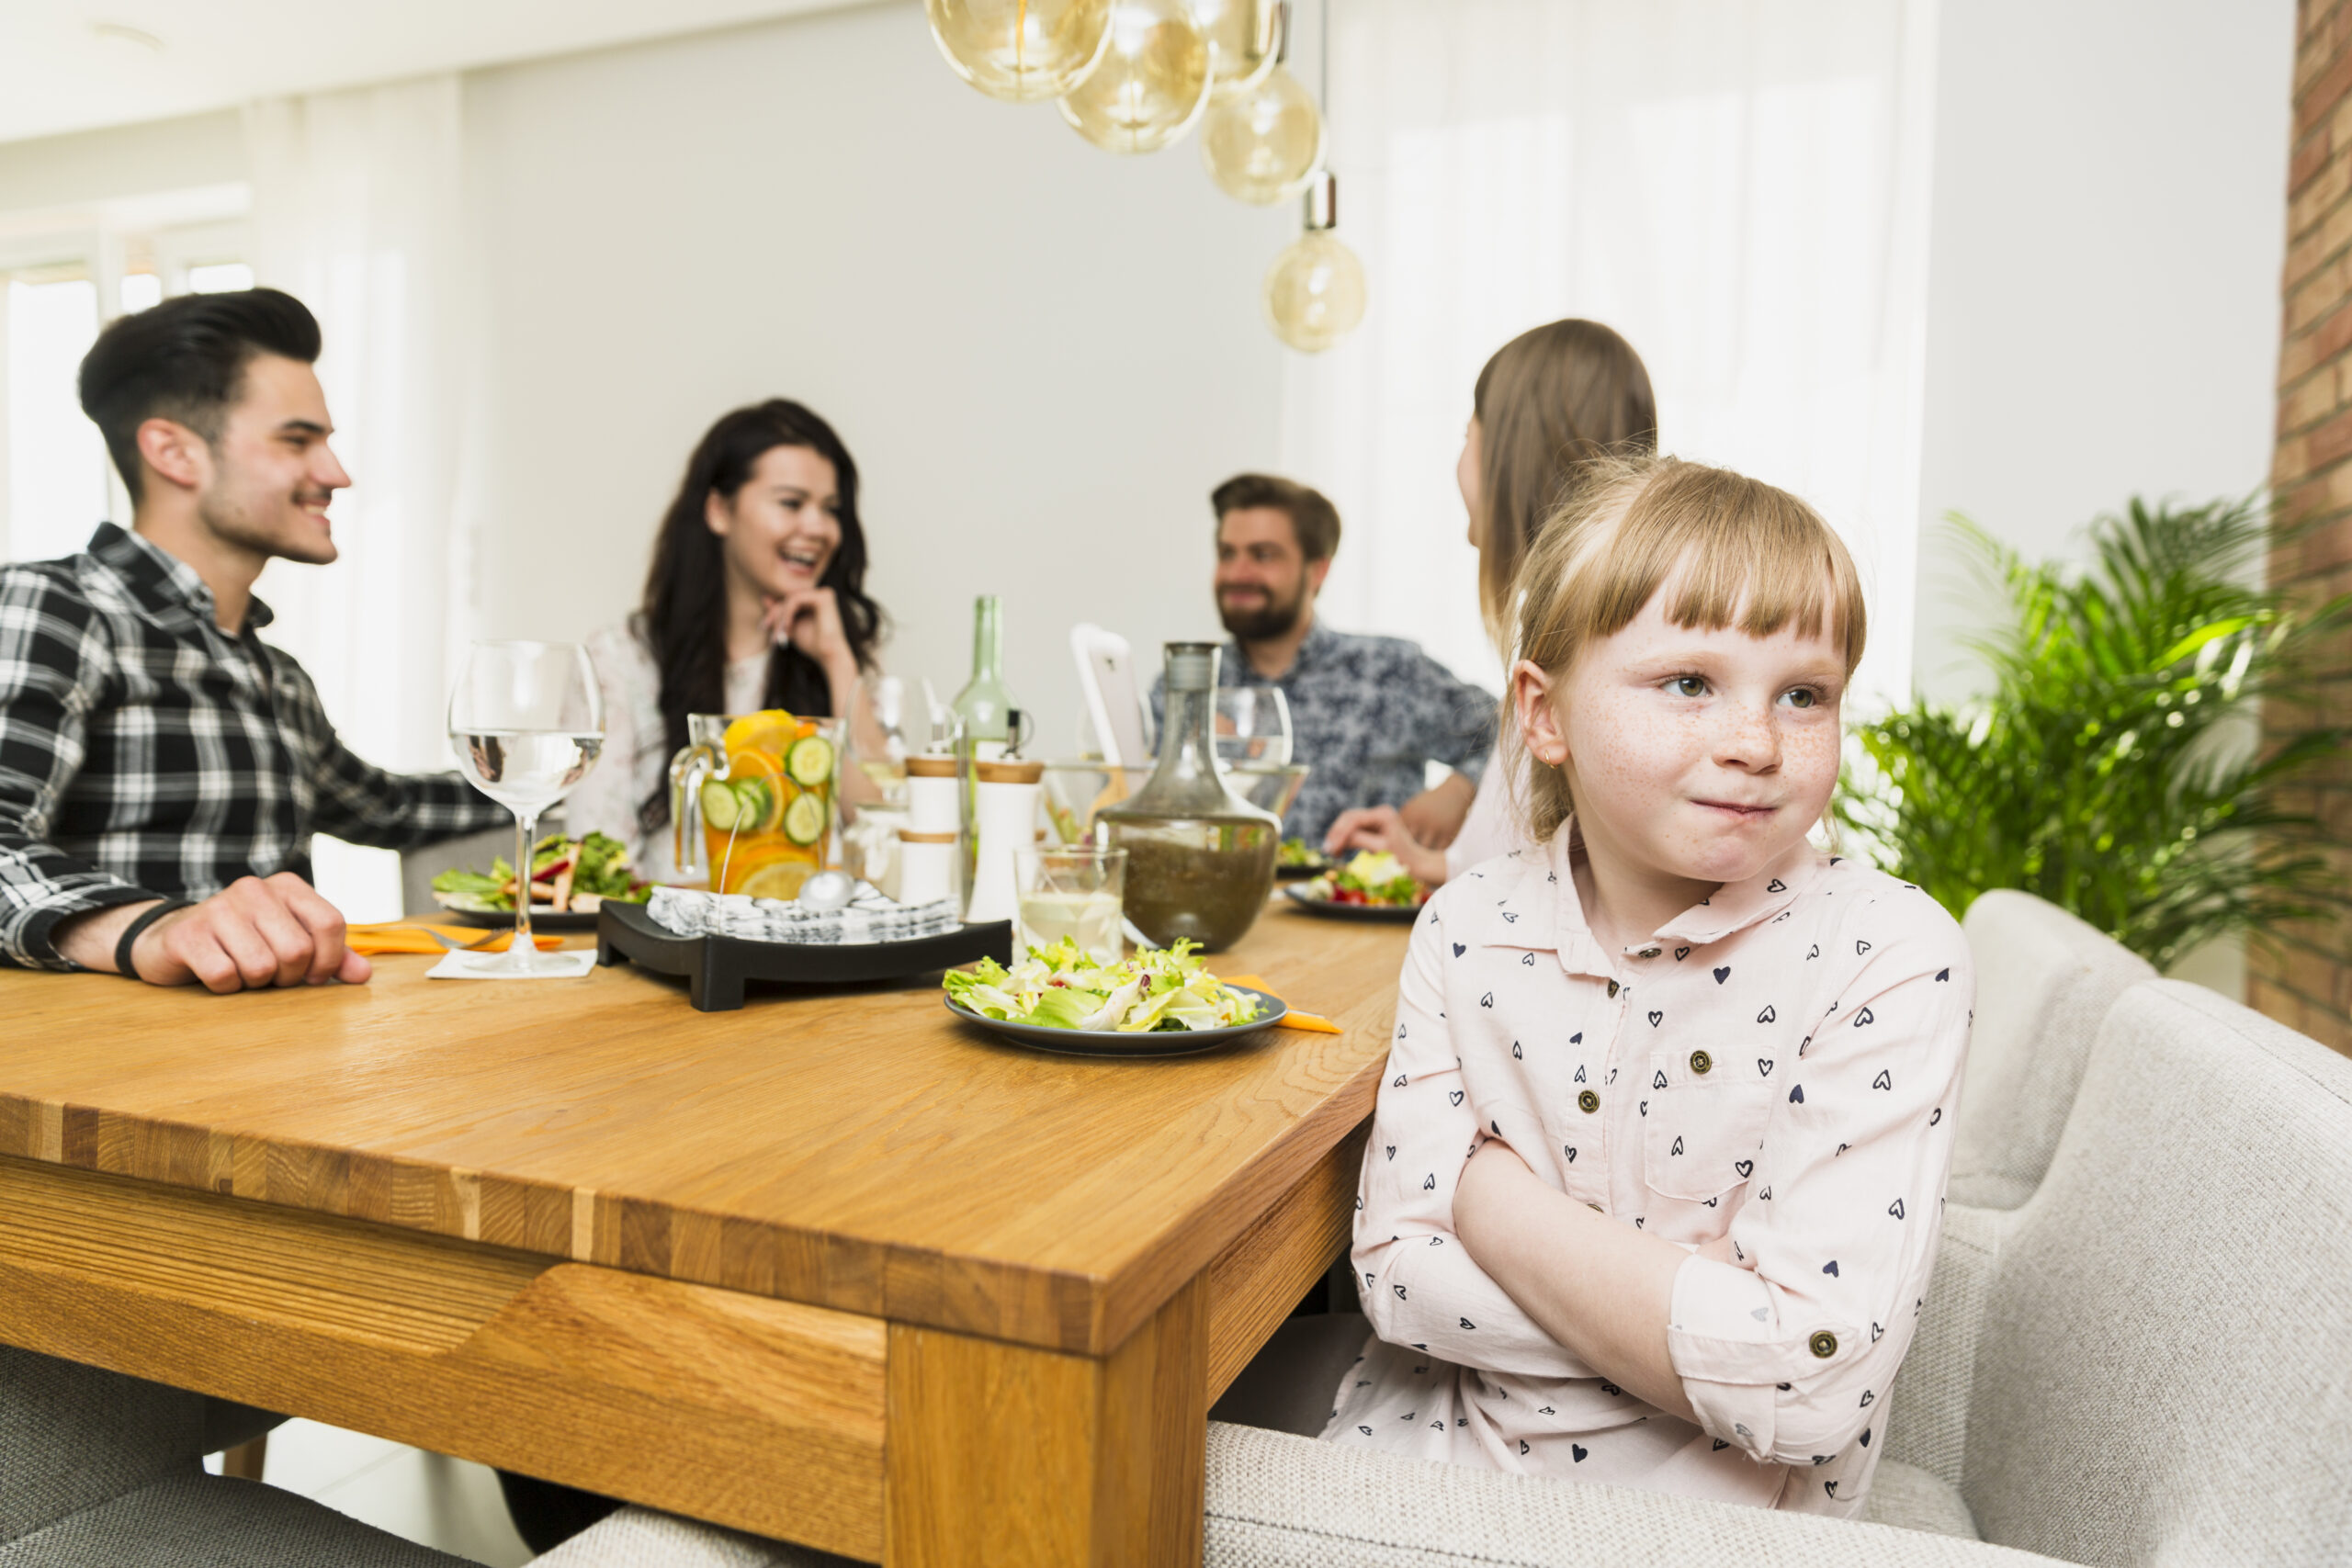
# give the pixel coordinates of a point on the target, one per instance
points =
(56, 462)
(56, 292)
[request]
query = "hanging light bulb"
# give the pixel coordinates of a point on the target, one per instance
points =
(1315, 290)
(1246, 35)
(1021, 50)
(1262, 144)
(1153, 81)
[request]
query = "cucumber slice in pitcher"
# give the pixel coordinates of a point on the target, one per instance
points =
(720, 809)
(810, 761)
(804, 819)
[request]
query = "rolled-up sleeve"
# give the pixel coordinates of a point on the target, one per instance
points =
(54, 664)
(1784, 1350)
(1419, 1286)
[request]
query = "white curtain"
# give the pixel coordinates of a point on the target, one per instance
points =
(358, 206)
(1739, 188)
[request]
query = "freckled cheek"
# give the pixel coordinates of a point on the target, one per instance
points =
(1627, 751)
(1809, 758)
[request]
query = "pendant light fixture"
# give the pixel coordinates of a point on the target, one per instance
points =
(1315, 291)
(1152, 83)
(1246, 35)
(1021, 50)
(1261, 145)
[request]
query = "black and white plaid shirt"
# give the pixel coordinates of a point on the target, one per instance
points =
(145, 752)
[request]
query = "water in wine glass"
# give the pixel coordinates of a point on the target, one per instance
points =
(525, 769)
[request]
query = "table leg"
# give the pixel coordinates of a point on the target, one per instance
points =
(1010, 1457)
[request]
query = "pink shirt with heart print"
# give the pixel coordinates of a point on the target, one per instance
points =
(1780, 1063)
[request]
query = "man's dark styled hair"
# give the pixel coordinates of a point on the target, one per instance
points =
(184, 360)
(1312, 516)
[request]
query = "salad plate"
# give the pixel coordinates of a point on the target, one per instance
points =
(591, 871)
(1332, 909)
(1371, 887)
(1113, 1042)
(1161, 1002)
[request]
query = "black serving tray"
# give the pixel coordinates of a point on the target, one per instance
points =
(716, 966)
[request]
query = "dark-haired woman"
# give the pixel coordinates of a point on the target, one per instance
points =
(755, 599)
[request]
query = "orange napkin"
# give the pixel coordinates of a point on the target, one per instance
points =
(1293, 1019)
(407, 936)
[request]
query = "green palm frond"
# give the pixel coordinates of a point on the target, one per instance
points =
(2116, 768)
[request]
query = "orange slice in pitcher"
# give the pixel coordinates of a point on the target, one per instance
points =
(758, 779)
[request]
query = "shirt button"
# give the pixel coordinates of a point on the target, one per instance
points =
(1588, 1102)
(1612, 988)
(1701, 1061)
(1824, 1344)
(1649, 952)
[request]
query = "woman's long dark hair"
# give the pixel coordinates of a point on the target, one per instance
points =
(683, 618)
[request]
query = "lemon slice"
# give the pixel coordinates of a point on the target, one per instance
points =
(772, 731)
(804, 819)
(781, 880)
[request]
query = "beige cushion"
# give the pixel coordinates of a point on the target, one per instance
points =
(1929, 1425)
(1910, 1498)
(640, 1537)
(1279, 1501)
(2161, 1378)
(2044, 980)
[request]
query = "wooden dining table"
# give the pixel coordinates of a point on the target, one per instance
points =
(838, 1267)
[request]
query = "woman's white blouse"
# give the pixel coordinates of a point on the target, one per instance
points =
(636, 759)
(1493, 825)
(1780, 1063)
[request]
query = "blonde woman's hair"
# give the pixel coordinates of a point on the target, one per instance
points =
(1550, 401)
(1736, 551)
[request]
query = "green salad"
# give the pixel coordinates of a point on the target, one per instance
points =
(1296, 853)
(1062, 987)
(566, 874)
(1369, 878)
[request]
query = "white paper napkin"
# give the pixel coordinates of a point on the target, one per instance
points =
(575, 962)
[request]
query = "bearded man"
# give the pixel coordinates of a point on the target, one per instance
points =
(161, 769)
(1367, 714)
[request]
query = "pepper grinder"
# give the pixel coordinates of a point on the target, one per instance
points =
(1004, 820)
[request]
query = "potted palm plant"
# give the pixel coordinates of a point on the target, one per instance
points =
(2118, 767)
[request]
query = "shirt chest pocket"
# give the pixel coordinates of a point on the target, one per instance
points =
(1700, 1135)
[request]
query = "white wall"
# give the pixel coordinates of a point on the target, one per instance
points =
(2107, 227)
(1042, 355)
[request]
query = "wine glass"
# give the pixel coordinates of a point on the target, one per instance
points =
(526, 721)
(1252, 726)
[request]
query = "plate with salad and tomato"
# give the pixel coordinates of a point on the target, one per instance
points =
(1371, 887)
(571, 879)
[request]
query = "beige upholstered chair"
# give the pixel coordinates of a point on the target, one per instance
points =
(2044, 980)
(2144, 1364)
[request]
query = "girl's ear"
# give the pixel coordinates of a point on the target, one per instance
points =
(1532, 692)
(716, 515)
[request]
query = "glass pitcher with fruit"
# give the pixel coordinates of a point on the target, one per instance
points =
(753, 801)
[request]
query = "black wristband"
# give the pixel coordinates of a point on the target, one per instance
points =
(131, 932)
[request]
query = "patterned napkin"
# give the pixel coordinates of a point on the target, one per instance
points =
(869, 918)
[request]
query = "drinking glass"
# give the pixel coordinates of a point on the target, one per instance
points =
(1252, 727)
(526, 721)
(1070, 891)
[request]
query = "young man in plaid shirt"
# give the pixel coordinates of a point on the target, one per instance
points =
(161, 769)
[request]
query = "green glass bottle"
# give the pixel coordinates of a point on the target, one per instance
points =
(986, 704)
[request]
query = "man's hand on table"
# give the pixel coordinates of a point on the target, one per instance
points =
(254, 932)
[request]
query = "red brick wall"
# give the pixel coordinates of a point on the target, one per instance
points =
(2307, 983)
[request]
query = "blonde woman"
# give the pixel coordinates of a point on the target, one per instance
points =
(1550, 401)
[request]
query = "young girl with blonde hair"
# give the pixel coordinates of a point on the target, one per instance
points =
(1656, 1175)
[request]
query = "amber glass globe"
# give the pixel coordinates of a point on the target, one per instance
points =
(1021, 50)
(1247, 36)
(1314, 292)
(1153, 81)
(1262, 144)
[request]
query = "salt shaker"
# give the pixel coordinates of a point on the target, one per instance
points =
(1004, 820)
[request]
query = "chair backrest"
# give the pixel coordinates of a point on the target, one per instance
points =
(2164, 1376)
(74, 1436)
(2044, 979)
